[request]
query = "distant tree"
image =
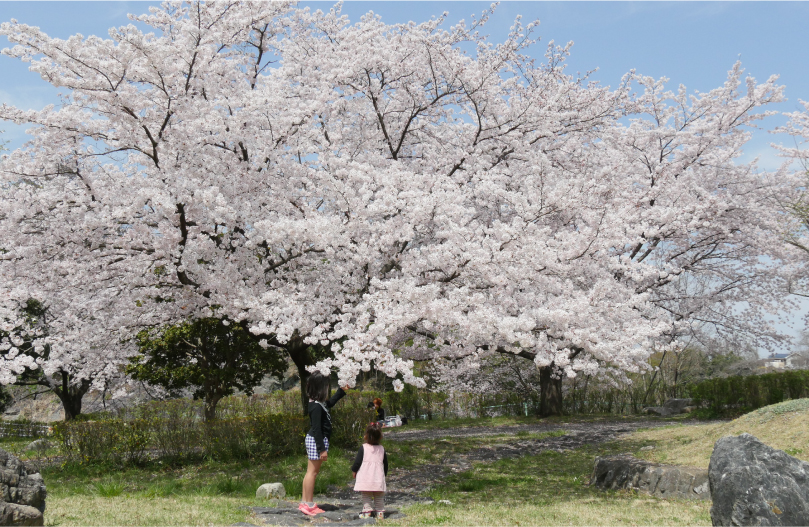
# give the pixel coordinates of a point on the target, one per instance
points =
(211, 356)
(69, 367)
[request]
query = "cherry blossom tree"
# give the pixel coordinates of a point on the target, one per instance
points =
(390, 193)
(66, 319)
(796, 207)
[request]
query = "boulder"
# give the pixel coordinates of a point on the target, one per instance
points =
(679, 406)
(15, 514)
(39, 445)
(672, 407)
(22, 492)
(271, 490)
(663, 481)
(754, 484)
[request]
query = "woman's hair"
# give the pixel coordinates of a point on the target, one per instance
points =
(317, 387)
(373, 434)
(377, 402)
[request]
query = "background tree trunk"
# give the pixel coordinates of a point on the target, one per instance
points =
(302, 357)
(211, 400)
(70, 396)
(550, 392)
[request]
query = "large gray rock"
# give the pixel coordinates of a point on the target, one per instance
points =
(22, 492)
(672, 407)
(754, 484)
(664, 481)
(39, 445)
(271, 490)
(15, 514)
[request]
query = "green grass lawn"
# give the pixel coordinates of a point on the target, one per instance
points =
(549, 488)
(546, 489)
(204, 493)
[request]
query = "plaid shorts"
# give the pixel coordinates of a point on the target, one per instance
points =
(311, 447)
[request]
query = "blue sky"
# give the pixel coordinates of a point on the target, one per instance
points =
(691, 43)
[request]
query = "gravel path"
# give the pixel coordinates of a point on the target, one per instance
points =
(403, 434)
(577, 435)
(406, 486)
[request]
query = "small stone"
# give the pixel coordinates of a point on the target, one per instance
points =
(334, 516)
(271, 490)
(646, 448)
(662, 411)
(444, 502)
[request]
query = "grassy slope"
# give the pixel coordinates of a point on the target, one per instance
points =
(784, 426)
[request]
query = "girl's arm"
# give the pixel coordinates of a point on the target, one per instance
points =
(385, 462)
(339, 394)
(358, 461)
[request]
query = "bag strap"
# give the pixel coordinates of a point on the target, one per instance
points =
(328, 414)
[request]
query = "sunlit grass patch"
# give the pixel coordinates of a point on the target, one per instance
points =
(548, 489)
(784, 426)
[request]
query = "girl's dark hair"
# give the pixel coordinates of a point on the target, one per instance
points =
(317, 387)
(373, 434)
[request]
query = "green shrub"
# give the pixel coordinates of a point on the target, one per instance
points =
(349, 420)
(279, 435)
(736, 395)
(85, 441)
(176, 427)
(174, 430)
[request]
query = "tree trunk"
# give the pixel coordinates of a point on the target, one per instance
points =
(300, 355)
(211, 400)
(71, 396)
(550, 394)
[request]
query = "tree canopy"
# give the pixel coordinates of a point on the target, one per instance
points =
(389, 193)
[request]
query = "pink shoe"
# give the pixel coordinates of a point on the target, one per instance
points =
(316, 509)
(306, 509)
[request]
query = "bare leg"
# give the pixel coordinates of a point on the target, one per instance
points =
(312, 470)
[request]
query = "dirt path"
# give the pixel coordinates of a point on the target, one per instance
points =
(418, 479)
(405, 487)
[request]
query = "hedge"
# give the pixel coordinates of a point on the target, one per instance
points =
(174, 430)
(741, 394)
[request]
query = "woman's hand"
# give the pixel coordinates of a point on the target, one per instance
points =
(346, 388)
(324, 456)
(354, 475)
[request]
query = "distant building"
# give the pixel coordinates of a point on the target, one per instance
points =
(777, 360)
(797, 361)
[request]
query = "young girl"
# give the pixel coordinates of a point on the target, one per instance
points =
(370, 468)
(317, 439)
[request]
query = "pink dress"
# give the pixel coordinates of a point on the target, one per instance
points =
(371, 475)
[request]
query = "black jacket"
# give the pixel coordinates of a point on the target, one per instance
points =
(380, 414)
(359, 457)
(320, 419)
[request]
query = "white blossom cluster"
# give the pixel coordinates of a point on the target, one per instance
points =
(377, 189)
